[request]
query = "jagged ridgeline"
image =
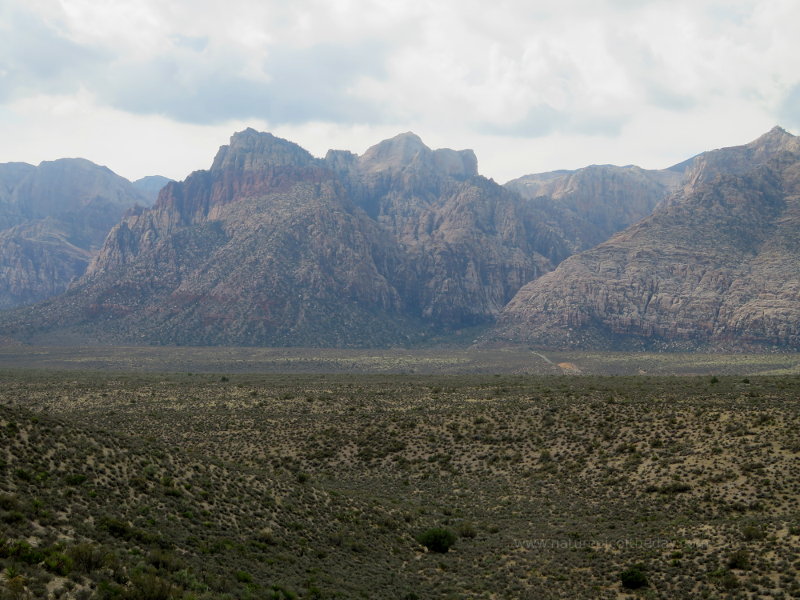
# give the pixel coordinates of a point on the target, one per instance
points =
(272, 246)
(404, 244)
(716, 266)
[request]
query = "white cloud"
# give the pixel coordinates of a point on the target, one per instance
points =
(47, 127)
(530, 85)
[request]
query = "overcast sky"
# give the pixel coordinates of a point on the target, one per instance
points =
(156, 86)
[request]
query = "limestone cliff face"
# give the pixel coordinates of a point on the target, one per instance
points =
(53, 219)
(715, 266)
(273, 246)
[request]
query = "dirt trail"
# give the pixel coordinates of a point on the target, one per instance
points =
(544, 358)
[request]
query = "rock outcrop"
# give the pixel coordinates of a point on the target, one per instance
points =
(717, 265)
(272, 246)
(53, 219)
(589, 205)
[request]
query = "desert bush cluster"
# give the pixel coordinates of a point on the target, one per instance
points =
(197, 486)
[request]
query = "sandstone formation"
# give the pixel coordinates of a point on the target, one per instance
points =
(273, 246)
(53, 219)
(717, 265)
(405, 244)
(589, 205)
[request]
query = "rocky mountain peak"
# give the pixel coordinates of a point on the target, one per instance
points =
(774, 141)
(67, 185)
(456, 163)
(590, 204)
(407, 149)
(53, 218)
(395, 153)
(251, 150)
(737, 160)
(715, 266)
(150, 186)
(341, 160)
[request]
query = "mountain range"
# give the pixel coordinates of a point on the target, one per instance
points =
(406, 245)
(54, 218)
(717, 266)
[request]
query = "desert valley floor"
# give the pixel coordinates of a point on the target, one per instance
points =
(207, 479)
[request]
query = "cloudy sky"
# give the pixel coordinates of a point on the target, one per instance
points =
(155, 86)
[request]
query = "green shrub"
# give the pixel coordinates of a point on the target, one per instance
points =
(12, 517)
(21, 551)
(467, 530)
(164, 560)
(87, 557)
(23, 474)
(8, 501)
(117, 528)
(739, 560)
(151, 587)
(278, 592)
(58, 563)
(634, 578)
(753, 532)
(75, 479)
(437, 539)
(725, 579)
(244, 577)
(676, 487)
(108, 590)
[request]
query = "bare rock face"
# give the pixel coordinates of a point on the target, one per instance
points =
(272, 246)
(468, 243)
(53, 219)
(589, 205)
(716, 266)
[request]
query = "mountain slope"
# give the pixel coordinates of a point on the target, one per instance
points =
(589, 205)
(53, 219)
(272, 246)
(468, 243)
(716, 266)
(150, 187)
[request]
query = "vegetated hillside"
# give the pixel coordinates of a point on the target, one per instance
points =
(587, 206)
(274, 247)
(715, 266)
(324, 486)
(53, 220)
